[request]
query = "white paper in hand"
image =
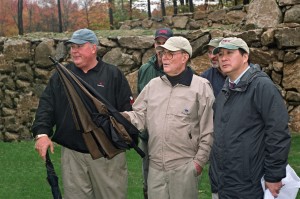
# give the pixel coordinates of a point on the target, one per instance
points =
(291, 186)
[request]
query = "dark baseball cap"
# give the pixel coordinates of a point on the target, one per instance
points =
(164, 32)
(83, 36)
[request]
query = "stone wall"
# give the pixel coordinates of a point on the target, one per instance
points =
(258, 14)
(25, 67)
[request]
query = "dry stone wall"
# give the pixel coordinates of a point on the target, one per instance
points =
(25, 67)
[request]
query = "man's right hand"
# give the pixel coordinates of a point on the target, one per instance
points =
(41, 146)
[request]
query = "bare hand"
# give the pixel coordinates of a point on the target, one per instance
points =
(274, 187)
(198, 168)
(42, 145)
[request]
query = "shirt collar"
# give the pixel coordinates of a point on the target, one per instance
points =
(239, 77)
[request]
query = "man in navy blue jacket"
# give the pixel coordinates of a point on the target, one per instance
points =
(251, 135)
(214, 75)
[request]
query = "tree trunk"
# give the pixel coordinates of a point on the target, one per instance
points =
(191, 6)
(20, 17)
(163, 8)
(220, 5)
(181, 2)
(130, 9)
(110, 13)
(59, 16)
(149, 9)
(245, 2)
(175, 7)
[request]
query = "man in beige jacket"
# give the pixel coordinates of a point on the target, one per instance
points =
(176, 108)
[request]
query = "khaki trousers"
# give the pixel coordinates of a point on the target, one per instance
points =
(85, 178)
(180, 183)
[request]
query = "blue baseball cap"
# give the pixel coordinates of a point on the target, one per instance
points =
(83, 36)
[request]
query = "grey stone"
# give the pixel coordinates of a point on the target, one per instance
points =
(180, 22)
(291, 75)
(266, 14)
(290, 57)
(292, 34)
(43, 51)
(18, 50)
(138, 42)
(293, 14)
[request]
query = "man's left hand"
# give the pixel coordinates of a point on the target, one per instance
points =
(274, 187)
(198, 168)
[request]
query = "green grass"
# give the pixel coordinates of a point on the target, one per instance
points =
(23, 175)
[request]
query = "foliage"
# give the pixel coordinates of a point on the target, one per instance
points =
(23, 173)
(42, 15)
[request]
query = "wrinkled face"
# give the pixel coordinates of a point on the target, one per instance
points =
(232, 62)
(83, 54)
(213, 58)
(174, 62)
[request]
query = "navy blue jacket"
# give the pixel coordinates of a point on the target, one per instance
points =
(251, 137)
(216, 78)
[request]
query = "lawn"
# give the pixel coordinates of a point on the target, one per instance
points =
(23, 175)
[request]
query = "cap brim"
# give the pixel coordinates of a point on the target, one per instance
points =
(230, 47)
(76, 41)
(163, 36)
(168, 47)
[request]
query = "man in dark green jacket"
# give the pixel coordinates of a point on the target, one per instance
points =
(151, 69)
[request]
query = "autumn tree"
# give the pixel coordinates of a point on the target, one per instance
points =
(130, 9)
(20, 17)
(149, 9)
(175, 7)
(110, 14)
(86, 5)
(191, 6)
(163, 8)
(59, 16)
(245, 2)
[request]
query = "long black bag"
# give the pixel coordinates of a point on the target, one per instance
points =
(105, 131)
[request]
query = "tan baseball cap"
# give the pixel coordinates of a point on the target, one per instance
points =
(232, 43)
(177, 43)
(215, 42)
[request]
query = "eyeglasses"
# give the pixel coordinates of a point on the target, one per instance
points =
(168, 54)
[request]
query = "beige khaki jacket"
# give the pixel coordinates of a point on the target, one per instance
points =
(179, 120)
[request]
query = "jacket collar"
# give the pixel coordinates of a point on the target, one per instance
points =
(186, 79)
(252, 73)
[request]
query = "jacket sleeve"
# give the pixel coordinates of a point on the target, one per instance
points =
(205, 114)
(277, 136)
(44, 117)
(138, 115)
(124, 95)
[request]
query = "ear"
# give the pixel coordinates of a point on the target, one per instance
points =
(185, 57)
(94, 48)
(245, 58)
